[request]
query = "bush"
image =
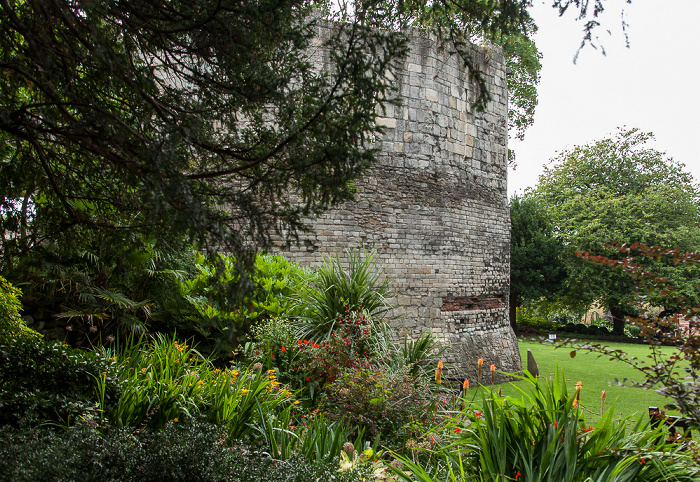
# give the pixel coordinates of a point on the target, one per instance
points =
(338, 291)
(44, 381)
(603, 331)
(165, 380)
(526, 316)
(592, 330)
(581, 328)
(11, 323)
(185, 451)
(384, 403)
(570, 328)
(225, 303)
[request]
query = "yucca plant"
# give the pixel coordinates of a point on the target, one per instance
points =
(419, 354)
(337, 291)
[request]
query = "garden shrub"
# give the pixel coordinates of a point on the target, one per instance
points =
(46, 381)
(419, 354)
(570, 328)
(384, 402)
(11, 323)
(164, 380)
(308, 365)
(336, 291)
(185, 451)
(226, 302)
(106, 286)
(581, 328)
(592, 330)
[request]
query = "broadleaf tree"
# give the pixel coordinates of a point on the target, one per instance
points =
(619, 190)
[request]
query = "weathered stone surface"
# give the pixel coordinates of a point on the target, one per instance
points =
(435, 207)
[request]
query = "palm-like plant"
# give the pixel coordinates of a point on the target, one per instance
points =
(336, 291)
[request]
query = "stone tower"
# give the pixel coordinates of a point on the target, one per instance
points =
(435, 208)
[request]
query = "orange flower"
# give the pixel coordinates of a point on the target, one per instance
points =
(458, 430)
(493, 367)
(284, 349)
(465, 385)
(440, 364)
(575, 403)
(438, 376)
(603, 395)
(481, 362)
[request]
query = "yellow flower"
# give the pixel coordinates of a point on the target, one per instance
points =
(176, 420)
(243, 390)
(143, 370)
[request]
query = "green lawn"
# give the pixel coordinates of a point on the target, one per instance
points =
(597, 374)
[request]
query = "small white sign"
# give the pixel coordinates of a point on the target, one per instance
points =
(552, 336)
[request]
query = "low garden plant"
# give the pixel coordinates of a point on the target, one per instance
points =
(544, 436)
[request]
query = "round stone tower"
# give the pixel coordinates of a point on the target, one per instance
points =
(435, 208)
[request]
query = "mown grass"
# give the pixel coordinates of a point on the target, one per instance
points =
(597, 373)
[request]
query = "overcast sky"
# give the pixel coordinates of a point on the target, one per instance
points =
(652, 85)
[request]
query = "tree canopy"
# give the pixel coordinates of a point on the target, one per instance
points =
(619, 190)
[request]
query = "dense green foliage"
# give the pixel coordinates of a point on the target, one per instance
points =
(42, 381)
(536, 265)
(223, 312)
(149, 117)
(183, 451)
(336, 291)
(544, 436)
(11, 323)
(619, 190)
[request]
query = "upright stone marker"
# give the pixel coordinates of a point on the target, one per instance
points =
(532, 364)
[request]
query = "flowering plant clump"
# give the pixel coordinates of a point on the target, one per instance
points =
(349, 347)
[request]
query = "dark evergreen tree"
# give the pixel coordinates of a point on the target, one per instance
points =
(536, 266)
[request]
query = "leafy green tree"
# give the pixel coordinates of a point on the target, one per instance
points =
(536, 266)
(619, 190)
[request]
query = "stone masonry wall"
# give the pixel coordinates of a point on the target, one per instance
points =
(435, 208)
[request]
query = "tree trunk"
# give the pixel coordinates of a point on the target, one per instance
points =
(512, 301)
(618, 317)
